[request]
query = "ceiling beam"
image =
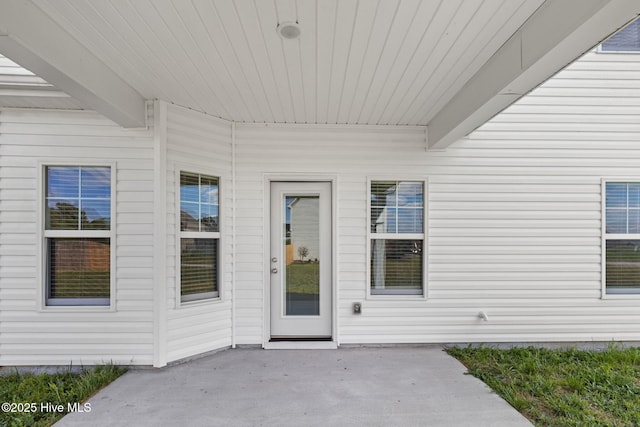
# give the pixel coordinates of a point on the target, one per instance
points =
(32, 39)
(553, 37)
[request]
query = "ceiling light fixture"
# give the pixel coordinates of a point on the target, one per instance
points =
(288, 30)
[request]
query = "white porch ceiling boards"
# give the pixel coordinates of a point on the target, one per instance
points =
(449, 65)
(357, 62)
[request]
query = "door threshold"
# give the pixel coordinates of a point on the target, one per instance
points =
(300, 345)
(294, 338)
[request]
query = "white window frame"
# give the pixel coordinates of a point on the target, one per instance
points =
(208, 297)
(395, 295)
(614, 292)
(74, 304)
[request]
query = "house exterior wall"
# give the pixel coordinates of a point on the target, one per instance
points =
(201, 144)
(514, 215)
(29, 333)
(514, 224)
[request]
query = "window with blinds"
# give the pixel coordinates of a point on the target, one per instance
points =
(625, 40)
(199, 236)
(396, 238)
(622, 237)
(77, 235)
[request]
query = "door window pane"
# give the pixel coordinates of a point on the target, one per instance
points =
(302, 254)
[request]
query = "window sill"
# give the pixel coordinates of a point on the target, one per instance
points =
(621, 296)
(396, 297)
(78, 308)
(199, 302)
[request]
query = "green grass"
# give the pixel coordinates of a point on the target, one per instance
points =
(85, 284)
(60, 388)
(303, 278)
(562, 387)
(404, 273)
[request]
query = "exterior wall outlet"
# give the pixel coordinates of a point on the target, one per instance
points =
(357, 307)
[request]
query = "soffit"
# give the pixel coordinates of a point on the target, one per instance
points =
(357, 61)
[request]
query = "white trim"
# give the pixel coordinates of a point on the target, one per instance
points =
(397, 236)
(234, 234)
(94, 234)
(207, 297)
(79, 305)
(160, 240)
(603, 241)
(301, 345)
(268, 178)
(614, 293)
(333, 126)
(616, 52)
(401, 294)
(199, 234)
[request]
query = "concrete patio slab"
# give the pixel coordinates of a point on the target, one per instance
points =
(393, 386)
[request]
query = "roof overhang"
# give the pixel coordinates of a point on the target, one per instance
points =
(32, 39)
(553, 37)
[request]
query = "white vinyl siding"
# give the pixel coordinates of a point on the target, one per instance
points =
(350, 153)
(29, 334)
(199, 144)
(514, 214)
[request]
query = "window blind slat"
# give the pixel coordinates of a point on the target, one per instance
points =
(625, 40)
(79, 268)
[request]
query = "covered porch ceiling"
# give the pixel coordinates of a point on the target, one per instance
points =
(449, 65)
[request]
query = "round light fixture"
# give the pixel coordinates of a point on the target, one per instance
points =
(288, 30)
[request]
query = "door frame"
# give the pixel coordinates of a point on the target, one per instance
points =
(266, 258)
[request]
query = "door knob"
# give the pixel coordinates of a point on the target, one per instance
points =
(274, 259)
(274, 270)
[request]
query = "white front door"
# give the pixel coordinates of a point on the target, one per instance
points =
(300, 261)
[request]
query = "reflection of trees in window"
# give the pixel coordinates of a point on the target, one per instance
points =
(209, 223)
(65, 216)
(303, 252)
